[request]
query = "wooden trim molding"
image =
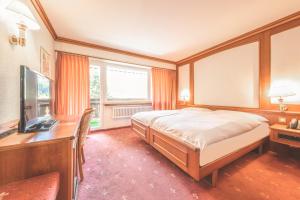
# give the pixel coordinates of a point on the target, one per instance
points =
(40, 10)
(264, 69)
(38, 6)
(271, 115)
(109, 49)
(110, 60)
(264, 28)
(266, 78)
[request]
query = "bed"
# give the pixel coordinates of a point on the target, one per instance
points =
(176, 137)
(141, 122)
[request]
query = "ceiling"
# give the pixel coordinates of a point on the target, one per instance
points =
(167, 29)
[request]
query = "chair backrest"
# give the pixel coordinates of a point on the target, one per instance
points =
(84, 125)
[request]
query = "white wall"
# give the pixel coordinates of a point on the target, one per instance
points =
(12, 57)
(109, 122)
(285, 62)
(183, 80)
(229, 78)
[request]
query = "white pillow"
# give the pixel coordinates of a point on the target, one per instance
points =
(245, 114)
(196, 109)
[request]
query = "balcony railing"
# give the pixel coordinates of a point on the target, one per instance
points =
(95, 103)
(95, 121)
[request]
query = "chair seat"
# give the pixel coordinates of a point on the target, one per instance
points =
(44, 187)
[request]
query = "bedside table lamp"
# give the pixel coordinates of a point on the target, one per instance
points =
(280, 92)
(185, 95)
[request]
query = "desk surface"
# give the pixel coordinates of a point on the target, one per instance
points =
(66, 129)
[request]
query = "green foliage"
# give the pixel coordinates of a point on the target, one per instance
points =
(94, 82)
(95, 123)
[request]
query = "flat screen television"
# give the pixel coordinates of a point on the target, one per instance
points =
(36, 102)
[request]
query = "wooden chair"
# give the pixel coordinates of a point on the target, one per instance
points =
(82, 133)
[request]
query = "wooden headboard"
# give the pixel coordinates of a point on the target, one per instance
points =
(272, 115)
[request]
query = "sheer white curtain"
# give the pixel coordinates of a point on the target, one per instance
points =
(124, 83)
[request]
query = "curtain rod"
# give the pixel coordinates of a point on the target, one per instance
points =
(105, 59)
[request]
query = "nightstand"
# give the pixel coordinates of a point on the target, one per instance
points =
(283, 135)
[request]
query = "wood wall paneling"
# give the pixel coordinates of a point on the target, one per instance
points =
(264, 69)
(281, 29)
(271, 115)
(263, 35)
(229, 78)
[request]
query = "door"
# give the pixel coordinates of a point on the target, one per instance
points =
(95, 97)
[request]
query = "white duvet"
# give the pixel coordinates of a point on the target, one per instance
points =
(201, 130)
(148, 117)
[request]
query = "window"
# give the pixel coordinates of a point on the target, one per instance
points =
(95, 96)
(127, 83)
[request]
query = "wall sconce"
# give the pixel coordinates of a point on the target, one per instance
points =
(280, 92)
(18, 13)
(185, 95)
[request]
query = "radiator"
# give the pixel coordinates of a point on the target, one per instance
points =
(127, 111)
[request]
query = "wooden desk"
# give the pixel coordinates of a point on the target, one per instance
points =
(24, 155)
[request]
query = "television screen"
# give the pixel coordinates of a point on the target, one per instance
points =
(35, 98)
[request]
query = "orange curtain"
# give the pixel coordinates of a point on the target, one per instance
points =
(164, 89)
(72, 84)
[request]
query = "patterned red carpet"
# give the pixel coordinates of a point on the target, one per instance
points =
(120, 166)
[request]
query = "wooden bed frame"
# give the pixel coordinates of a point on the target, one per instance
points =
(186, 157)
(142, 130)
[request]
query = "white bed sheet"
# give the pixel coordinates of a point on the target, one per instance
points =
(220, 149)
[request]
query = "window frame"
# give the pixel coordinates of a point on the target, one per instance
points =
(127, 100)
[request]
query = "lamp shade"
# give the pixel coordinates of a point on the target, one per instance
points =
(21, 14)
(281, 91)
(185, 95)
